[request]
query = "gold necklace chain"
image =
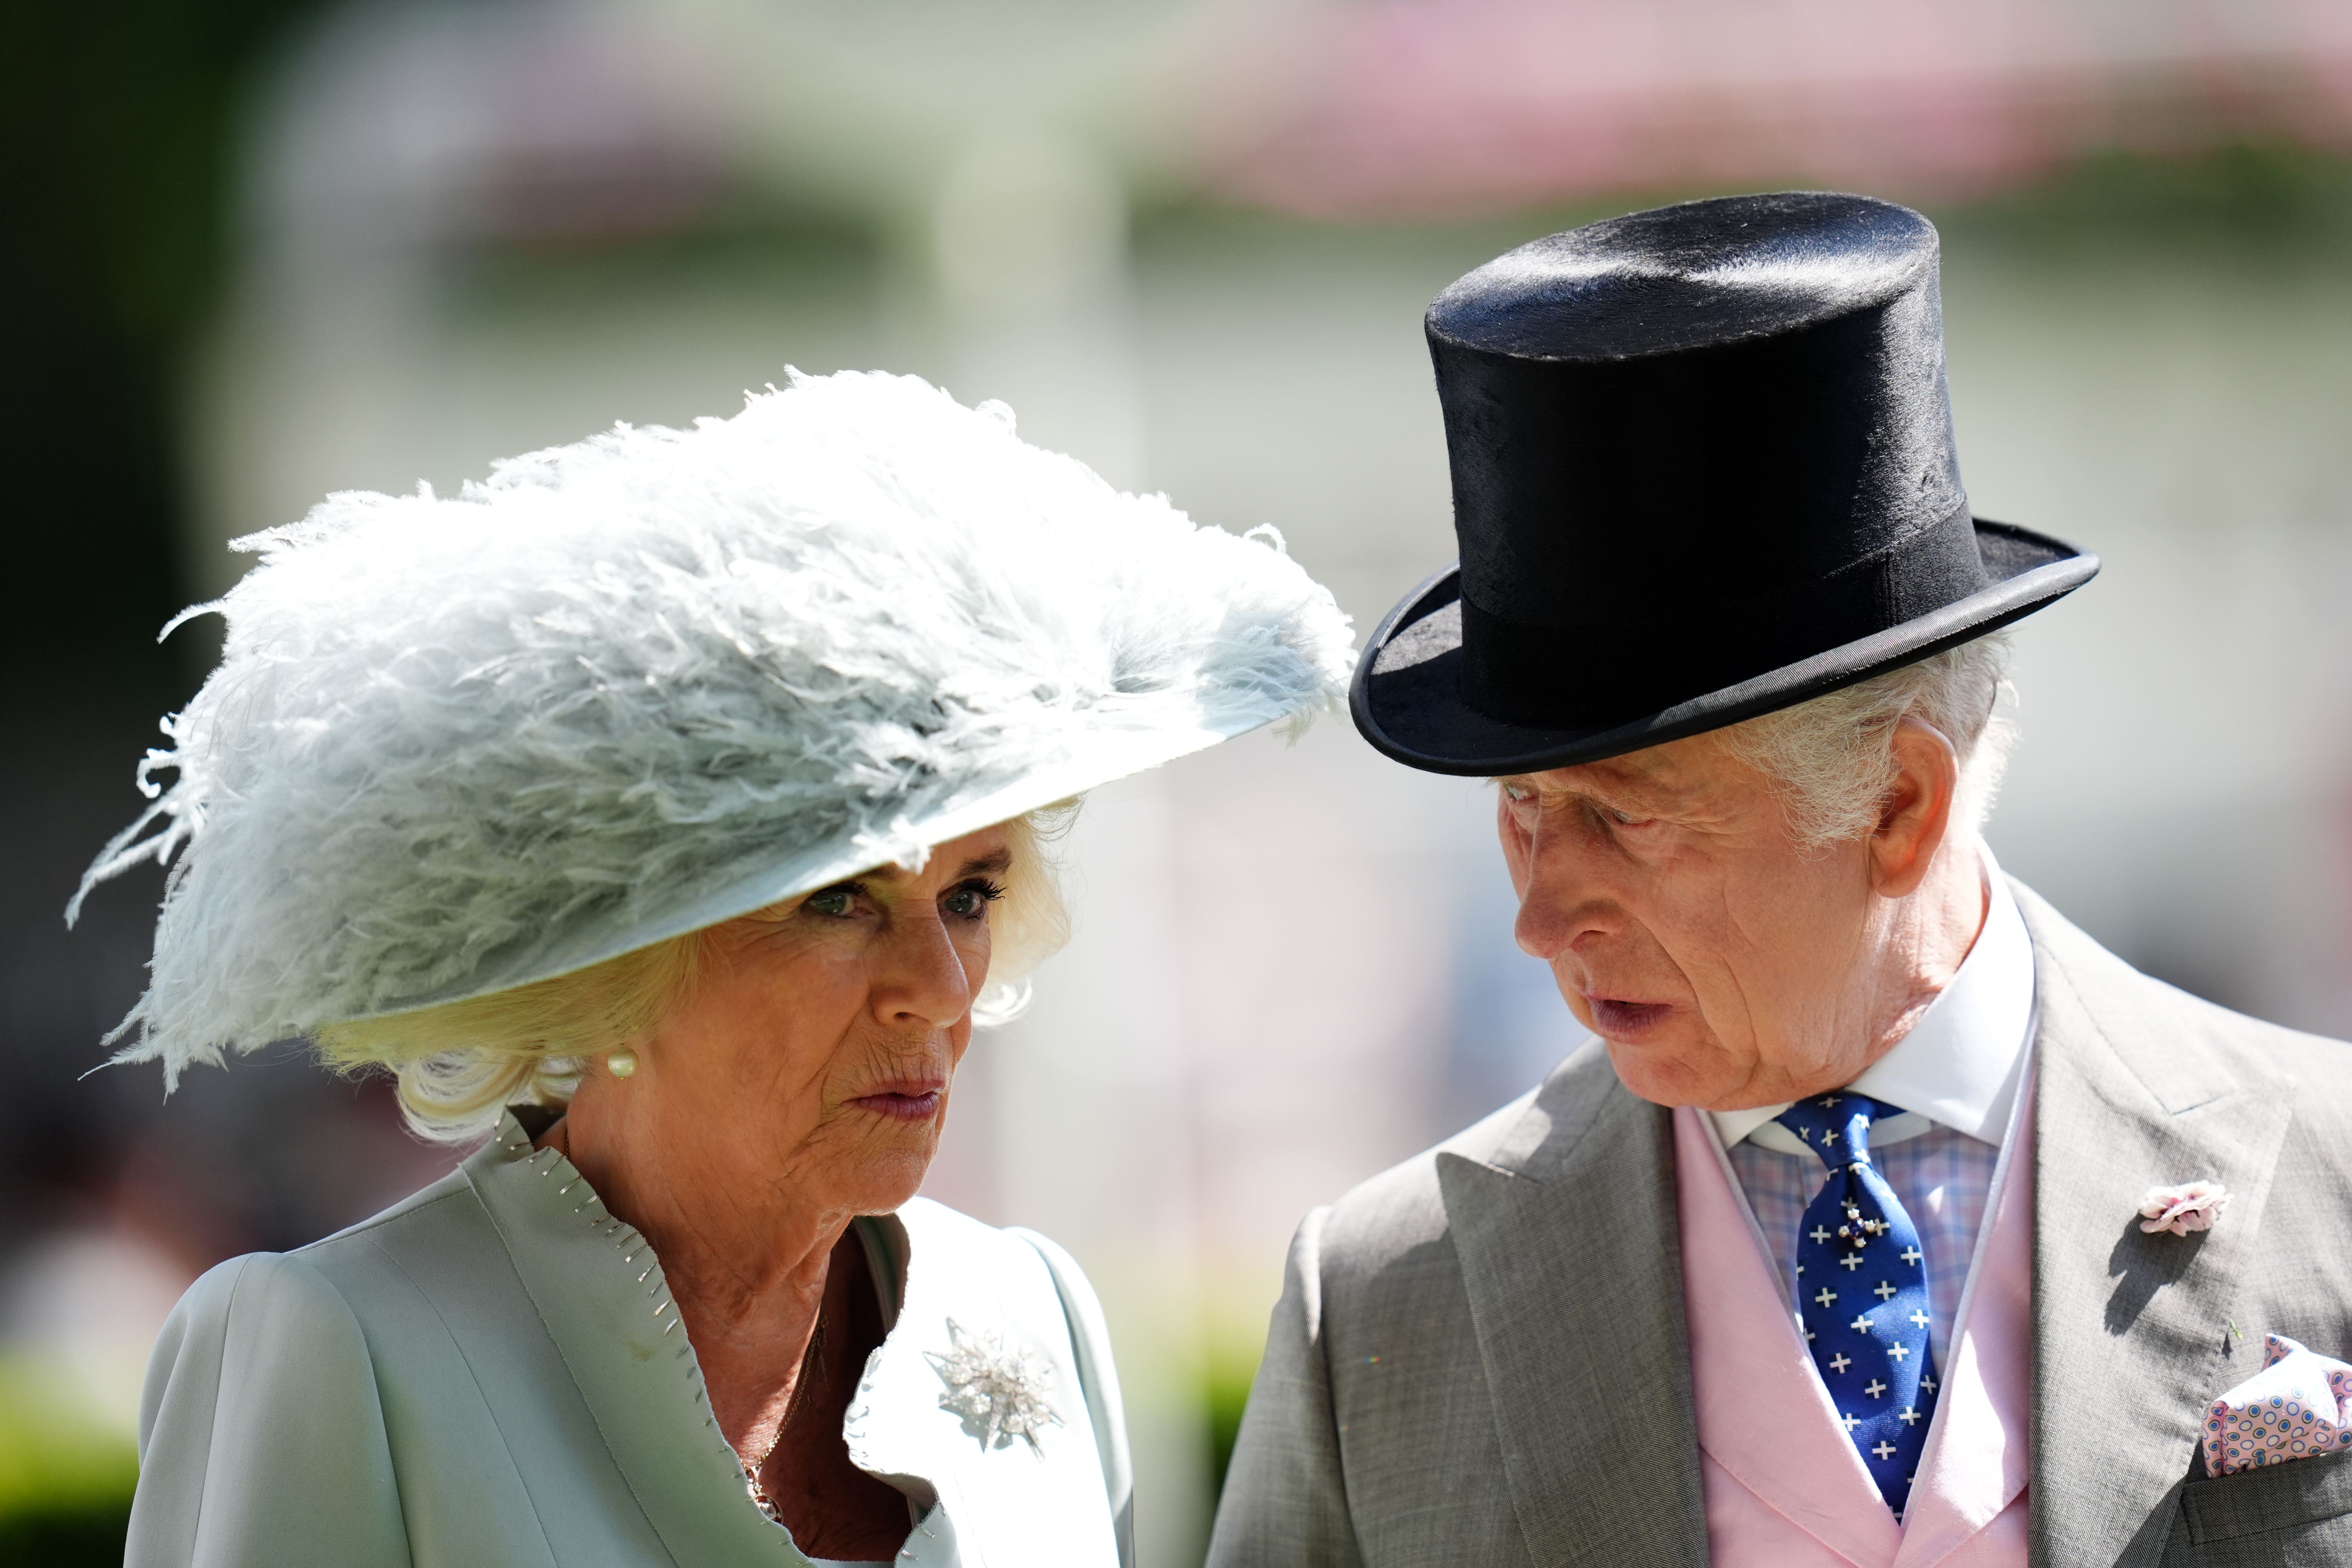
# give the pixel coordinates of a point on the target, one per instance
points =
(810, 1358)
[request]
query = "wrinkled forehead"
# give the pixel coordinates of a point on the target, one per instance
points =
(1693, 772)
(956, 867)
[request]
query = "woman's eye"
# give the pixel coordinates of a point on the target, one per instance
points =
(971, 900)
(834, 902)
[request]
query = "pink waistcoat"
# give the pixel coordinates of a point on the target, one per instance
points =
(1784, 1487)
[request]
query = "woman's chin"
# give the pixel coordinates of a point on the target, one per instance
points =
(889, 1181)
(885, 1168)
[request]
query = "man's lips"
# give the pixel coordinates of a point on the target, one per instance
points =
(1617, 1019)
(914, 1101)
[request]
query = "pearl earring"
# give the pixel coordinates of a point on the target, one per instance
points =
(621, 1063)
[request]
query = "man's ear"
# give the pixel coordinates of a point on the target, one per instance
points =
(1919, 809)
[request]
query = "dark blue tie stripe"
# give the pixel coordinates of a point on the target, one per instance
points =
(1862, 1280)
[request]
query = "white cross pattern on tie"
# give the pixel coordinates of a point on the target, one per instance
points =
(1853, 1207)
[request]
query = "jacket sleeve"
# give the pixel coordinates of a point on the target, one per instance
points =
(1286, 1498)
(262, 1438)
(1090, 1338)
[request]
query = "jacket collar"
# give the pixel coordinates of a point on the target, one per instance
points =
(2136, 1085)
(1566, 1230)
(601, 1293)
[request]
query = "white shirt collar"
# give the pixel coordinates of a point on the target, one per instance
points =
(1960, 1064)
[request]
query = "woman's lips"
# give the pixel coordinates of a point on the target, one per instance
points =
(1627, 1021)
(904, 1102)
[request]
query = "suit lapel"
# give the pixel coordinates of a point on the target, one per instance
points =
(2132, 1332)
(1567, 1248)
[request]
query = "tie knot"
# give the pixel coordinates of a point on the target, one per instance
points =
(1836, 1125)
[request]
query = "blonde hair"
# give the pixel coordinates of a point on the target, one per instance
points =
(1832, 759)
(459, 1064)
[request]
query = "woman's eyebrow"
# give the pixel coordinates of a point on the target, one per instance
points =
(986, 865)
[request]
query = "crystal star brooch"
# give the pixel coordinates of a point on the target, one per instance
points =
(1000, 1393)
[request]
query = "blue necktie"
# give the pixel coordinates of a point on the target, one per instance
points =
(1863, 1282)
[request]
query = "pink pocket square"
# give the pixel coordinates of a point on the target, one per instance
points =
(2299, 1404)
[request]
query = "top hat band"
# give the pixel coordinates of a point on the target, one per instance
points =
(1651, 658)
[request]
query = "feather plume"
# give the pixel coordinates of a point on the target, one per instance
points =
(640, 684)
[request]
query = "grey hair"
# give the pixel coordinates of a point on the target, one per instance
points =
(1832, 759)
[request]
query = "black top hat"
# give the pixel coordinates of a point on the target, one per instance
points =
(1702, 469)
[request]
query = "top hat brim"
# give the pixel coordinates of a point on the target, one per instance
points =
(1407, 700)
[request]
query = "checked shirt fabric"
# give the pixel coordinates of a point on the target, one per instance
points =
(1862, 1281)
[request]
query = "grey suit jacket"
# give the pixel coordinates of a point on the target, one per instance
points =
(1479, 1356)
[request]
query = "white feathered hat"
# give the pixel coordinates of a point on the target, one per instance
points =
(631, 688)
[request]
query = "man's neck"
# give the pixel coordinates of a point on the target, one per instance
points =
(1909, 951)
(1920, 943)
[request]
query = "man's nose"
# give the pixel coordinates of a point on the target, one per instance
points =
(1562, 900)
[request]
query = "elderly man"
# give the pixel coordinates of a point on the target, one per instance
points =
(1886, 1219)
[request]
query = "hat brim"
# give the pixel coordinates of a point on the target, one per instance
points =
(1092, 758)
(1407, 701)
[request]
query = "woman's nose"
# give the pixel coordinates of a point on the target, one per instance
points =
(922, 979)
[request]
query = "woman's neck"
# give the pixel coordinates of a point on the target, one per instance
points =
(777, 1301)
(746, 1255)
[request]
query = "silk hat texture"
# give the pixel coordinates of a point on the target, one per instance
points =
(1703, 468)
(634, 687)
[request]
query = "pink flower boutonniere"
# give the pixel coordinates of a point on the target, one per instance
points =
(2191, 1205)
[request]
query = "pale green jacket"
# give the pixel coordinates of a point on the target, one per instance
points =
(490, 1374)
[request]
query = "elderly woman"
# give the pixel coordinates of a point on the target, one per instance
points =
(664, 814)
